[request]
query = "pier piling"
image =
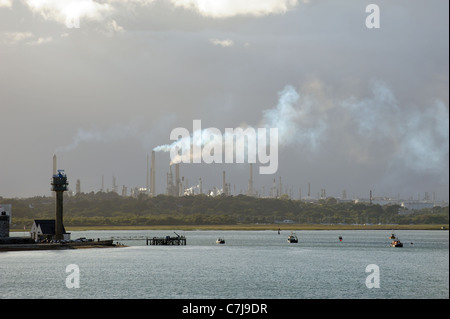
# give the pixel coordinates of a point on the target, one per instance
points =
(166, 241)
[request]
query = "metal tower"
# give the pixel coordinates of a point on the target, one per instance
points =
(59, 186)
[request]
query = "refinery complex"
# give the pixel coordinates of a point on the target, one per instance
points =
(177, 185)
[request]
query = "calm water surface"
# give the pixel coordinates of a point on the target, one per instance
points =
(252, 264)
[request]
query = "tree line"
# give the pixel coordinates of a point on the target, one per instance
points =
(108, 209)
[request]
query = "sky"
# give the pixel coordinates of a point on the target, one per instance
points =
(101, 83)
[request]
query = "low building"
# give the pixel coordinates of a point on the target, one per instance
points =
(44, 229)
(416, 205)
(284, 221)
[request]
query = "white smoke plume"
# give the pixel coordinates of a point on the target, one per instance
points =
(372, 129)
(413, 137)
(375, 128)
(425, 140)
(117, 133)
(295, 121)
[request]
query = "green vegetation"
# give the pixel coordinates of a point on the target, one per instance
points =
(110, 209)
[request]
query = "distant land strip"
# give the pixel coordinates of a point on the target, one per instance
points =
(273, 227)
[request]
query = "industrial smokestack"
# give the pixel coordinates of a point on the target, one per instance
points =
(114, 185)
(224, 185)
(250, 182)
(169, 182)
(280, 189)
(177, 179)
(274, 189)
(147, 184)
(152, 176)
(54, 164)
(54, 170)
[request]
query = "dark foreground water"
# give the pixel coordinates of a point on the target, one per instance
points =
(252, 264)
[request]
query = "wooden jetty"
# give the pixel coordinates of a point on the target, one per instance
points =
(167, 241)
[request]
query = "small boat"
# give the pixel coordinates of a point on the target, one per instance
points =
(220, 241)
(396, 243)
(392, 236)
(292, 238)
(340, 238)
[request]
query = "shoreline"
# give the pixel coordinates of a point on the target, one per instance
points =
(58, 246)
(248, 227)
(241, 227)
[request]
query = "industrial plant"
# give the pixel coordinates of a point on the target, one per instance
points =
(177, 185)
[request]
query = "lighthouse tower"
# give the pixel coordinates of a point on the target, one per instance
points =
(59, 186)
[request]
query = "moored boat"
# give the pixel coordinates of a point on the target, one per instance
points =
(292, 238)
(396, 243)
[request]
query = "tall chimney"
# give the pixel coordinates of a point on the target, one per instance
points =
(250, 182)
(280, 190)
(274, 189)
(224, 185)
(54, 170)
(152, 176)
(177, 179)
(147, 171)
(78, 187)
(54, 164)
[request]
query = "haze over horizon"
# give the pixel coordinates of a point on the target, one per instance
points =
(102, 83)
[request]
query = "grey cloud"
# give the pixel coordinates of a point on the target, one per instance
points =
(375, 100)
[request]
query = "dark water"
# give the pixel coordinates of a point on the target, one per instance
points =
(252, 264)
